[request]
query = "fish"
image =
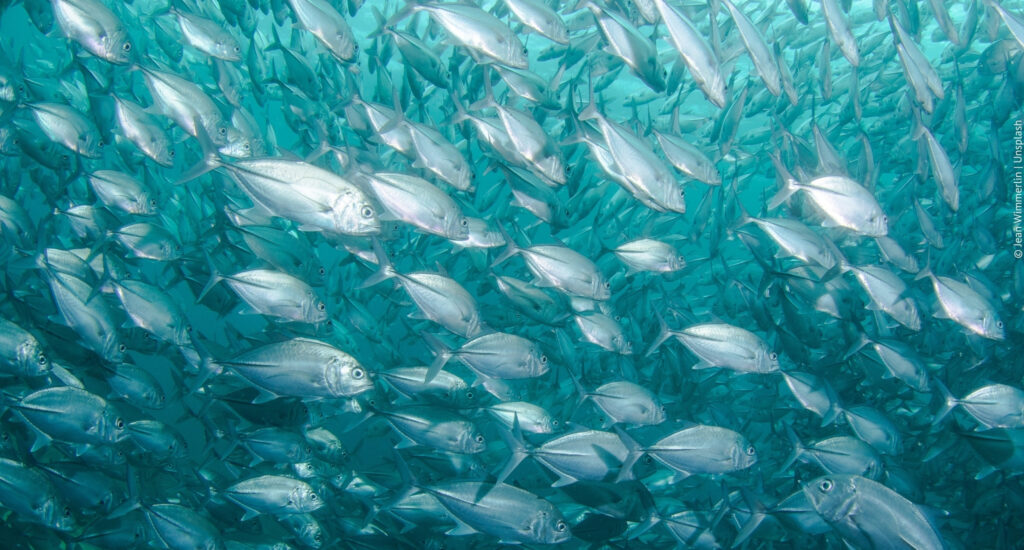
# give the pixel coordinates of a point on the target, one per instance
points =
(845, 501)
(844, 202)
(509, 513)
(723, 345)
(598, 273)
(272, 494)
(300, 367)
(32, 497)
(97, 29)
(695, 450)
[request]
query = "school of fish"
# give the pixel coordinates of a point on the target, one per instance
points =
(465, 274)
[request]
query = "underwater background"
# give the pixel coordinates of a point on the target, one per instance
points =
(606, 274)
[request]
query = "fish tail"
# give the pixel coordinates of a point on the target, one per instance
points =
(788, 183)
(384, 271)
(798, 450)
(634, 454)
(949, 402)
(926, 271)
(488, 100)
(208, 163)
(664, 333)
(510, 248)
(442, 352)
(516, 445)
(578, 385)
(215, 277)
(757, 513)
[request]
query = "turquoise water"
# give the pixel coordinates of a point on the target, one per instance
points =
(617, 275)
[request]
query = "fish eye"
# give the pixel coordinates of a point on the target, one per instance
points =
(41, 359)
(479, 438)
(152, 202)
(358, 374)
(465, 222)
(526, 51)
(122, 348)
(554, 422)
(561, 526)
(188, 328)
(321, 306)
(469, 394)
(367, 212)
(237, 49)
(322, 271)
(312, 496)
(825, 485)
(773, 356)
(119, 423)
(544, 359)
(170, 153)
(607, 284)
(67, 511)
(127, 47)
(999, 324)
(223, 131)
(751, 450)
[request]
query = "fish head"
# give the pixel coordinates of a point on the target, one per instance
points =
(768, 360)
(676, 262)
(143, 205)
(228, 50)
(655, 74)
(314, 310)
(11, 89)
(88, 144)
(183, 334)
(346, 377)
(305, 499)
(462, 396)
(345, 45)
(518, 55)
(111, 426)
(716, 93)
(116, 47)
(31, 359)
(992, 327)
(675, 198)
(238, 145)
(656, 414)
(113, 349)
(601, 289)
(906, 310)
(548, 527)
(463, 177)
(876, 225)
(536, 363)
(622, 346)
(744, 455)
(155, 398)
(57, 514)
(355, 217)
(833, 496)
(471, 441)
(457, 228)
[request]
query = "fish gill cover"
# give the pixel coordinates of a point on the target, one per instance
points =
(618, 273)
